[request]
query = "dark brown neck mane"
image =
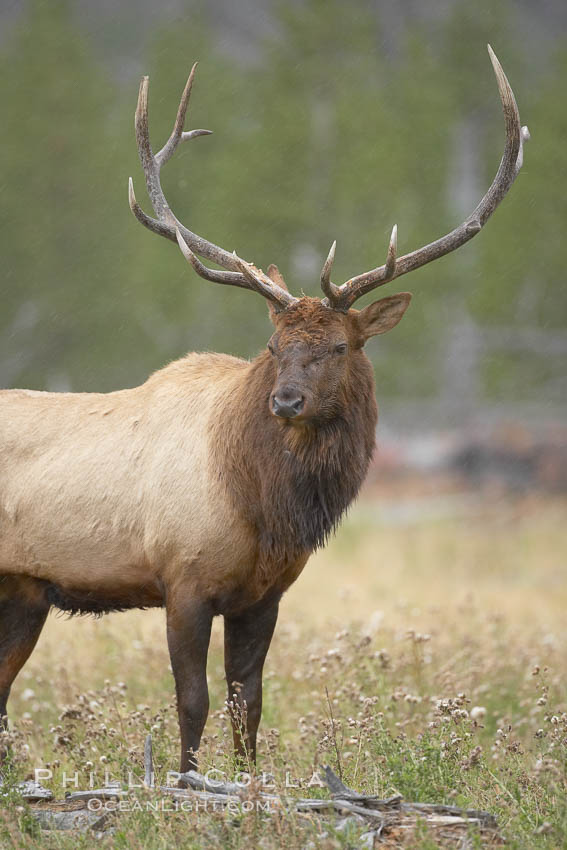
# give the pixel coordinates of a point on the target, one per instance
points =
(294, 484)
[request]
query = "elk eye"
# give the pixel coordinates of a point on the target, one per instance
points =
(341, 348)
(270, 348)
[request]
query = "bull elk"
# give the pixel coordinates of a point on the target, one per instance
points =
(206, 488)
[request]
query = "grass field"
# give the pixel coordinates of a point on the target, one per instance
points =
(437, 628)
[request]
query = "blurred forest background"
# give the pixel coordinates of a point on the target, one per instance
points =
(331, 120)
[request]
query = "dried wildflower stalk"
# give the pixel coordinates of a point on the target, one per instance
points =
(381, 816)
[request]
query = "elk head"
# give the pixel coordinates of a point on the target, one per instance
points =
(316, 351)
(317, 342)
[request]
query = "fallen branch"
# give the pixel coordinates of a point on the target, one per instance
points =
(339, 789)
(383, 816)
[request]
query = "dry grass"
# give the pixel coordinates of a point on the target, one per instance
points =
(442, 645)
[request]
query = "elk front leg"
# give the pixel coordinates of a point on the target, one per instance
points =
(247, 638)
(188, 635)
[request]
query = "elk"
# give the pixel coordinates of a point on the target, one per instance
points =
(205, 489)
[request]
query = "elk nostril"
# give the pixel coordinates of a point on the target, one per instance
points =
(297, 405)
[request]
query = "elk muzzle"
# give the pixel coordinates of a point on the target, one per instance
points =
(287, 403)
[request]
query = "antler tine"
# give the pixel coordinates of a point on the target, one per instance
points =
(166, 224)
(151, 223)
(329, 288)
(246, 279)
(390, 266)
(214, 275)
(510, 165)
(262, 284)
(178, 134)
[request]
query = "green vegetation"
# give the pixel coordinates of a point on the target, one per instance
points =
(452, 692)
(328, 135)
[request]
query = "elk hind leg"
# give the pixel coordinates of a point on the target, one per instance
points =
(23, 610)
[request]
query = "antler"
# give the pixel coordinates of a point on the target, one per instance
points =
(237, 271)
(343, 297)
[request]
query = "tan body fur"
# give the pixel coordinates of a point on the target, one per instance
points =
(116, 494)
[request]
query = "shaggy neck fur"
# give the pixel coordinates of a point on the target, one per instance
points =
(291, 483)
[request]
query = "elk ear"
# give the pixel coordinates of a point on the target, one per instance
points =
(275, 274)
(382, 315)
